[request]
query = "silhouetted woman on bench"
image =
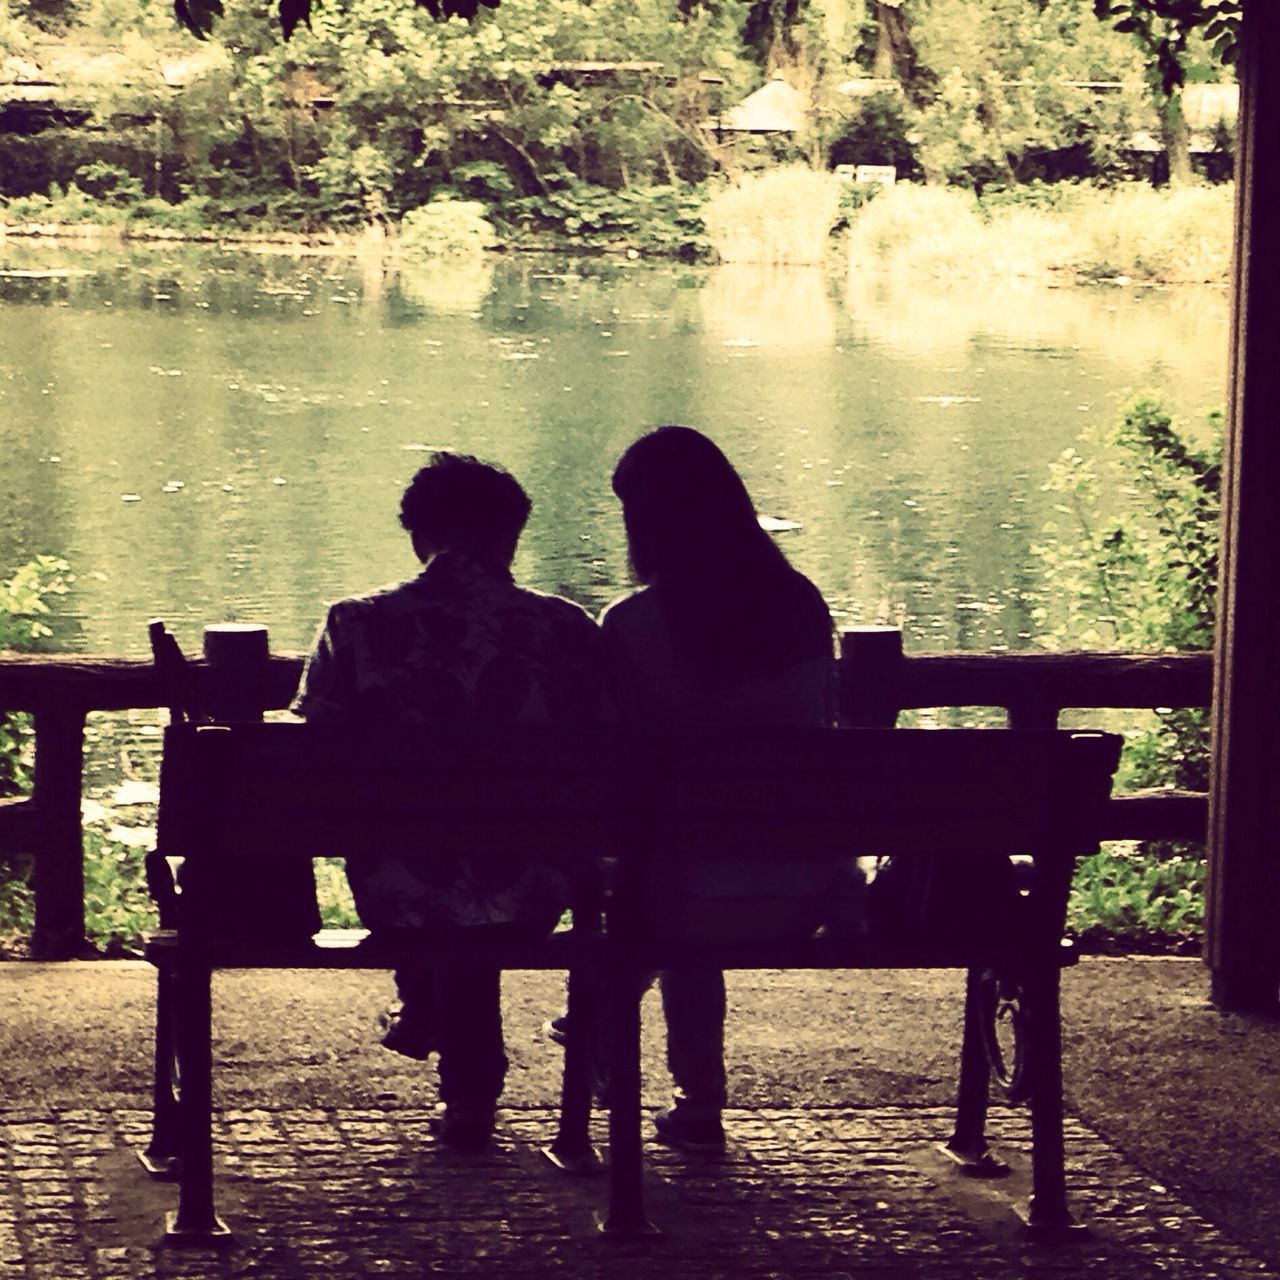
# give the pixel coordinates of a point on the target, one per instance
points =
(722, 631)
(459, 644)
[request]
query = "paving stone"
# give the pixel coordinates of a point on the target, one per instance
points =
(804, 1193)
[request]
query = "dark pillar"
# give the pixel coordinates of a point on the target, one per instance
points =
(1243, 924)
(59, 867)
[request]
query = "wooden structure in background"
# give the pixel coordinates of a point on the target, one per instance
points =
(1243, 929)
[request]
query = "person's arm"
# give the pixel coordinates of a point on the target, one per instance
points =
(325, 692)
(622, 695)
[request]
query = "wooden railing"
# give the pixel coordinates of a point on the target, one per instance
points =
(877, 682)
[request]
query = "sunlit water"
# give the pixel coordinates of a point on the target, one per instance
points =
(210, 435)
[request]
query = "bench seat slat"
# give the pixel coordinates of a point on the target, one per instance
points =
(565, 950)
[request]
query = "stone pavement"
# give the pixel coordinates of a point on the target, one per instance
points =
(358, 1193)
(839, 1090)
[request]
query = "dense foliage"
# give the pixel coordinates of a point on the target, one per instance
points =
(545, 111)
(1135, 558)
(24, 608)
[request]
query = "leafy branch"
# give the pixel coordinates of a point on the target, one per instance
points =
(200, 16)
(1164, 27)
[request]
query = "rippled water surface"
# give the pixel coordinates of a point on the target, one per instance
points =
(210, 435)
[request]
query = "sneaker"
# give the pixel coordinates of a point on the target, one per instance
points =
(404, 1032)
(465, 1129)
(699, 1135)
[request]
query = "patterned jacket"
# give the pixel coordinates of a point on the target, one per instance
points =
(459, 644)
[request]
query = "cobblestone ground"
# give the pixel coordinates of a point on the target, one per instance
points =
(346, 1194)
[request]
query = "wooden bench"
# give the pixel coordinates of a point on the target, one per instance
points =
(292, 792)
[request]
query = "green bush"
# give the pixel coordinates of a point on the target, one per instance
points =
(1131, 562)
(109, 184)
(947, 233)
(1138, 899)
(195, 216)
(1181, 235)
(446, 227)
(1094, 233)
(780, 216)
(24, 610)
(651, 219)
(117, 906)
(24, 614)
(333, 893)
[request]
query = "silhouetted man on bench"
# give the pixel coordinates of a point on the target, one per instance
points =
(461, 644)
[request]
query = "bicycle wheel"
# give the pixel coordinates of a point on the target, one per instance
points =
(1004, 1032)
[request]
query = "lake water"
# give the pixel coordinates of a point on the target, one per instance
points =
(210, 434)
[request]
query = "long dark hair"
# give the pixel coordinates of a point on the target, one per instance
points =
(735, 607)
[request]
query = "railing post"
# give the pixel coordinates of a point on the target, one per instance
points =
(277, 899)
(870, 664)
(59, 859)
(237, 654)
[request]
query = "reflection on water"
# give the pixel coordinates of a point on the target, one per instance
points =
(210, 434)
(457, 285)
(750, 306)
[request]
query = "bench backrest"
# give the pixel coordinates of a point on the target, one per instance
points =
(260, 790)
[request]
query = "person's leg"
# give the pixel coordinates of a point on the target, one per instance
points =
(467, 1032)
(409, 1026)
(694, 1004)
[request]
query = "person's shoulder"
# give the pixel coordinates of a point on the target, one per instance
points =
(371, 603)
(559, 610)
(809, 596)
(629, 609)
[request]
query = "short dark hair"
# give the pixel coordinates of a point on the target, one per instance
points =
(456, 502)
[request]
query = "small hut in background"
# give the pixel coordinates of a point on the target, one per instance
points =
(767, 127)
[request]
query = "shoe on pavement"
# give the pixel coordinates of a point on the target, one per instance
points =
(688, 1131)
(405, 1032)
(464, 1128)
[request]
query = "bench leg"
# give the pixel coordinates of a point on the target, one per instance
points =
(160, 1159)
(196, 1221)
(626, 1215)
(572, 1151)
(967, 1145)
(1047, 1211)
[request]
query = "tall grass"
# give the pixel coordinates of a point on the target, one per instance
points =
(944, 232)
(783, 217)
(1178, 236)
(1173, 236)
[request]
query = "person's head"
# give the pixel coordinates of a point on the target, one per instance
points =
(734, 606)
(458, 503)
(684, 506)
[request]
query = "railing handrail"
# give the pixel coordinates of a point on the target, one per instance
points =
(1069, 679)
(877, 680)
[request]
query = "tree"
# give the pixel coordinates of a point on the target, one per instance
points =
(1167, 33)
(1019, 95)
(896, 52)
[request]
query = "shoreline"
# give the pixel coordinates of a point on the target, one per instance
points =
(375, 242)
(353, 244)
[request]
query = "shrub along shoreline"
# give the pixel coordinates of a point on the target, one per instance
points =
(1080, 232)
